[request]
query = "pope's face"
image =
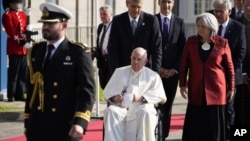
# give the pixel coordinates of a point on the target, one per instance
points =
(134, 8)
(138, 61)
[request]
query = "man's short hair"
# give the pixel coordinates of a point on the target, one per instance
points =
(227, 3)
(106, 7)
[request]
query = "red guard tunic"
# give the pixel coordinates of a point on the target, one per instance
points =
(14, 23)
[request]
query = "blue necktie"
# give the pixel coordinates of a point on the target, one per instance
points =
(165, 28)
(239, 13)
(220, 30)
(47, 59)
(134, 26)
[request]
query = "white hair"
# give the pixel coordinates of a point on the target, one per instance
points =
(106, 7)
(209, 20)
(227, 3)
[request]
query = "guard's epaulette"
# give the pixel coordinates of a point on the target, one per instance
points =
(84, 46)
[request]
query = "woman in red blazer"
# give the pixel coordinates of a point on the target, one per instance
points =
(207, 80)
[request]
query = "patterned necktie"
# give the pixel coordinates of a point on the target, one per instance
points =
(48, 56)
(220, 30)
(239, 13)
(134, 26)
(165, 28)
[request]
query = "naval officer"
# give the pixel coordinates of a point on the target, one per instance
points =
(61, 91)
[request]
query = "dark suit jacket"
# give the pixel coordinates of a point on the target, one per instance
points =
(69, 88)
(122, 42)
(173, 46)
(246, 62)
(101, 60)
(234, 16)
(235, 33)
(212, 76)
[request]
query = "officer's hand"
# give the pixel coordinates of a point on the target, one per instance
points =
(76, 132)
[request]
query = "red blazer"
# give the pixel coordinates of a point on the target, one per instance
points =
(214, 77)
(15, 23)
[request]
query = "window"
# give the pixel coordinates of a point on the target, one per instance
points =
(201, 6)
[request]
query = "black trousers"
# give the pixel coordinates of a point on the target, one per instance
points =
(104, 74)
(18, 76)
(170, 87)
(242, 105)
(229, 116)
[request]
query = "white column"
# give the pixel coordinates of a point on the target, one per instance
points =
(53, 1)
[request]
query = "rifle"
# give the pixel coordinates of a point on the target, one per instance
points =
(29, 31)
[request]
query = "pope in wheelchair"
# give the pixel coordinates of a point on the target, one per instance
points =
(133, 91)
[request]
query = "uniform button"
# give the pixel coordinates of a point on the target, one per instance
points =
(39, 108)
(55, 84)
(53, 109)
(55, 96)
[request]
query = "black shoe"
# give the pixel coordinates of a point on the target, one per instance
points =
(11, 99)
(19, 99)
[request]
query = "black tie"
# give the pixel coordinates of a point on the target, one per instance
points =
(220, 30)
(47, 59)
(165, 29)
(103, 35)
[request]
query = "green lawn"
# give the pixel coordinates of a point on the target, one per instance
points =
(5, 108)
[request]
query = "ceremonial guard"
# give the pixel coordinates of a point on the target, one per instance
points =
(15, 21)
(61, 93)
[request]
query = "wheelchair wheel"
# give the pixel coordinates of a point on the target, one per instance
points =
(158, 129)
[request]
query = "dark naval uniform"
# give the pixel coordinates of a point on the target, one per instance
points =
(62, 87)
(67, 95)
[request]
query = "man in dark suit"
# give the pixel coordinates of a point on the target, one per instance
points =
(62, 87)
(130, 30)
(237, 11)
(234, 31)
(242, 100)
(103, 32)
(173, 43)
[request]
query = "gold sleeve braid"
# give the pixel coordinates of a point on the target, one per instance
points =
(86, 115)
(37, 80)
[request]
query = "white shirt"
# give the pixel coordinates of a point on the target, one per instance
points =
(224, 25)
(106, 38)
(162, 20)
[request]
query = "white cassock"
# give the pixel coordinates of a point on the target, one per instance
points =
(133, 121)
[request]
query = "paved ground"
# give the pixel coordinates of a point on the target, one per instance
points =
(11, 123)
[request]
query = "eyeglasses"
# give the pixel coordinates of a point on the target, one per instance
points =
(219, 11)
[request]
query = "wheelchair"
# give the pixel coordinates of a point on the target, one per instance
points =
(158, 128)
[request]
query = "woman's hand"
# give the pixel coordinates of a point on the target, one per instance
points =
(184, 92)
(230, 95)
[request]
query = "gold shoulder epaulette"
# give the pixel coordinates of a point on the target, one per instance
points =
(84, 46)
